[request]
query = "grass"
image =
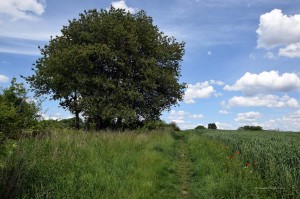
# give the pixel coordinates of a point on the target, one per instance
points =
(157, 164)
(92, 165)
(275, 156)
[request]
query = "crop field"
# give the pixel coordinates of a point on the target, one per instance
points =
(275, 156)
(154, 164)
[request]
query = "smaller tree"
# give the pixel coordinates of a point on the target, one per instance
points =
(212, 126)
(17, 112)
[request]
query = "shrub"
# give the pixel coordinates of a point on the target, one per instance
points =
(200, 127)
(17, 111)
(174, 126)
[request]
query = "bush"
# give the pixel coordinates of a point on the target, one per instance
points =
(174, 126)
(200, 127)
(250, 128)
(17, 111)
(212, 126)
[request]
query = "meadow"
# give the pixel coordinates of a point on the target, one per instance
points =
(154, 164)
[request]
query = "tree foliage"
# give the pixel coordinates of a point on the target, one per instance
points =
(250, 128)
(17, 112)
(114, 67)
(212, 126)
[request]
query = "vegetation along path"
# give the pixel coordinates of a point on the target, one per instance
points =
(183, 169)
(162, 164)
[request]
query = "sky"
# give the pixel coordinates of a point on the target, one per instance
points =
(241, 62)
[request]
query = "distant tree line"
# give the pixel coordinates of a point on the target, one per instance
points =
(250, 128)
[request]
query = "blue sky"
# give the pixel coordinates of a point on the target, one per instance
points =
(241, 61)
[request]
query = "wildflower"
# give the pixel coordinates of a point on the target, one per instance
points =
(230, 157)
(248, 164)
(255, 163)
(227, 147)
(238, 152)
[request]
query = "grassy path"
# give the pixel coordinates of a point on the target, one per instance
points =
(183, 170)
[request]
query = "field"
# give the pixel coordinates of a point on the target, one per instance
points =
(157, 164)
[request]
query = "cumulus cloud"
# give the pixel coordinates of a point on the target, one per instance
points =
(225, 126)
(22, 9)
(122, 5)
(248, 116)
(181, 119)
(270, 101)
(265, 82)
(277, 29)
(199, 90)
(3, 79)
(291, 51)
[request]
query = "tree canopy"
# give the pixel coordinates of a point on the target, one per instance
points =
(115, 68)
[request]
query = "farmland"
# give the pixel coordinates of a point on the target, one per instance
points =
(155, 164)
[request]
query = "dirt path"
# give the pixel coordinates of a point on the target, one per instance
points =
(183, 170)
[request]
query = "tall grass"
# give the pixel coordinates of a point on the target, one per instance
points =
(72, 164)
(275, 156)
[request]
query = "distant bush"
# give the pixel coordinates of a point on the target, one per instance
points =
(212, 126)
(250, 128)
(200, 127)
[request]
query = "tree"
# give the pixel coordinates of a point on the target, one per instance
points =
(212, 126)
(17, 112)
(115, 67)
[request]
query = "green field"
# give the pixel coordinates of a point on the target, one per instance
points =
(157, 164)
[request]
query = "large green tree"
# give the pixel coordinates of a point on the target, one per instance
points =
(114, 67)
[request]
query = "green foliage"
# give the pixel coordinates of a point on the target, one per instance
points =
(200, 127)
(17, 112)
(250, 128)
(174, 126)
(212, 126)
(112, 66)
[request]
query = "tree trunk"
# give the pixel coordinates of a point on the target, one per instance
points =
(77, 125)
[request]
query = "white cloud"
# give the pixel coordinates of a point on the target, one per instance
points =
(270, 101)
(3, 79)
(122, 5)
(265, 82)
(276, 29)
(21, 9)
(199, 90)
(209, 53)
(252, 56)
(270, 55)
(219, 83)
(224, 112)
(291, 51)
(225, 126)
(248, 116)
(194, 116)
